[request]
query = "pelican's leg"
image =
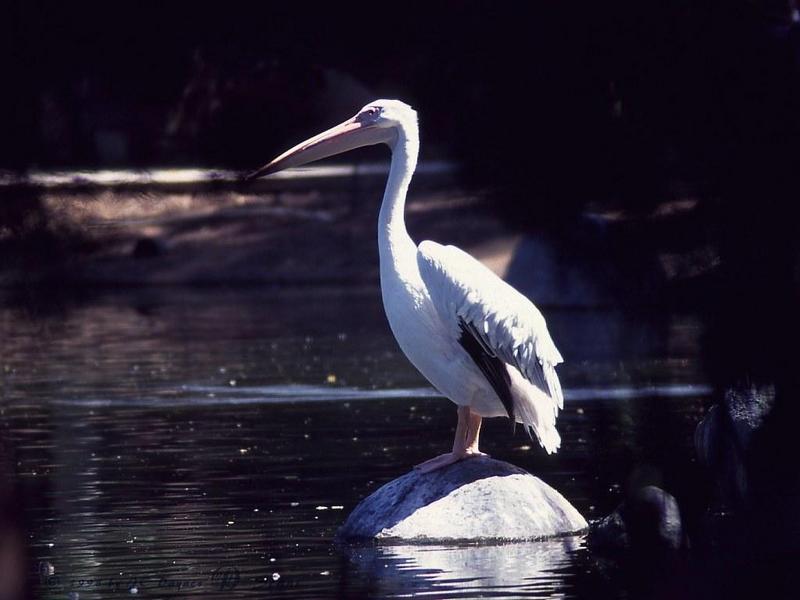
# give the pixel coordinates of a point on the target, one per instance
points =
(473, 432)
(465, 444)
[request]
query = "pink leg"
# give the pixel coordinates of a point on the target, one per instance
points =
(473, 432)
(465, 444)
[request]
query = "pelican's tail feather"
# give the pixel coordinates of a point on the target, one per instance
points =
(534, 409)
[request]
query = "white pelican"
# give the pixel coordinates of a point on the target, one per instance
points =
(474, 337)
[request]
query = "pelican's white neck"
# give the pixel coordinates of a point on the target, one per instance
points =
(391, 221)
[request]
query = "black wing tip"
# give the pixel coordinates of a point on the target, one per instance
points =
(490, 365)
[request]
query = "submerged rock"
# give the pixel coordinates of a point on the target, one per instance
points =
(478, 499)
(649, 520)
(722, 439)
(610, 532)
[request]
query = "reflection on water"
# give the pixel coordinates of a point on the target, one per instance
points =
(196, 442)
(531, 569)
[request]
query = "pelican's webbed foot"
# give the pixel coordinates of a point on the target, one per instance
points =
(446, 459)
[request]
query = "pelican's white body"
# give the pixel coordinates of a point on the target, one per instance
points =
(425, 341)
(426, 290)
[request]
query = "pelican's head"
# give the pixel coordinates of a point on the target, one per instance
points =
(388, 113)
(377, 123)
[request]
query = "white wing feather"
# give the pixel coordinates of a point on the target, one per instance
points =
(509, 324)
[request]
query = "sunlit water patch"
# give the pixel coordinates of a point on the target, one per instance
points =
(209, 395)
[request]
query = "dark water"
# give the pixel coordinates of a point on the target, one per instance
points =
(207, 443)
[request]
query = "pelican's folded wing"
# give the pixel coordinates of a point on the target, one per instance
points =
(506, 323)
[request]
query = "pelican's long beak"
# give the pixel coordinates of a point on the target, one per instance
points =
(345, 136)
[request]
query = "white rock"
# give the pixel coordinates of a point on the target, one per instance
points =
(478, 499)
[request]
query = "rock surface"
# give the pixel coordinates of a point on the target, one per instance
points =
(479, 499)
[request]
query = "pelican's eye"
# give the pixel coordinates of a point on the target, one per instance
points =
(372, 111)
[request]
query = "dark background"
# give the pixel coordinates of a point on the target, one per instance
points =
(622, 102)
(551, 108)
